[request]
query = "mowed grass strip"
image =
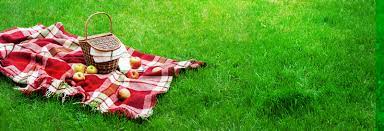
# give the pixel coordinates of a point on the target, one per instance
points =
(285, 64)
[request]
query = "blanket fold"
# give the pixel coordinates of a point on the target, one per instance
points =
(41, 58)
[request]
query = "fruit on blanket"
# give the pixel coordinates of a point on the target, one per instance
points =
(91, 70)
(79, 67)
(156, 69)
(133, 74)
(135, 62)
(124, 94)
(78, 76)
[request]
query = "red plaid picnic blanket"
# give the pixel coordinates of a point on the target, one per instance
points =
(41, 57)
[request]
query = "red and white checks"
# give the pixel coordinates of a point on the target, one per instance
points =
(41, 58)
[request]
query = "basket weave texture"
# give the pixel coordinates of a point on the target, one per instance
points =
(106, 42)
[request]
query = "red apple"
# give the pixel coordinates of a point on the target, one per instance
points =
(124, 94)
(133, 74)
(135, 62)
(79, 67)
(91, 70)
(78, 76)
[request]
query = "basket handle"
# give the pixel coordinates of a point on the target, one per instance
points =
(97, 13)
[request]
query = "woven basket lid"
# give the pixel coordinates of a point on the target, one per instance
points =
(105, 43)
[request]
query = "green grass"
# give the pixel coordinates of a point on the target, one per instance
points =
(287, 64)
(380, 64)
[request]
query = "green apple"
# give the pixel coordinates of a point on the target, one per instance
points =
(91, 70)
(79, 67)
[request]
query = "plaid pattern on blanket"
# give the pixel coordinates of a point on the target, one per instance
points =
(41, 58)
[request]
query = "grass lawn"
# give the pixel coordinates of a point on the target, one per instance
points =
(271, 63)
(380, 63)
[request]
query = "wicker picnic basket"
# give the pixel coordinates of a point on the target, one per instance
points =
(106, 42)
